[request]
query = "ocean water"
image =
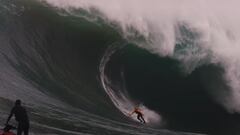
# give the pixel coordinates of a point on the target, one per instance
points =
(81, 66)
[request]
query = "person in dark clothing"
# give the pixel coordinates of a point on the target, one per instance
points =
(21, 117)
(139, 114)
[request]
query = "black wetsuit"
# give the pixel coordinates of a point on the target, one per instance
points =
(22, 119)
(140, 116)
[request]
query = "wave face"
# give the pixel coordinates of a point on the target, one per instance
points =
(81, 66)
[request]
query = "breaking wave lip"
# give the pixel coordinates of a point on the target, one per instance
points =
(160, 23)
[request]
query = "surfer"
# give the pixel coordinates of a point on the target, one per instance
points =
(21, 117)
(137, 110)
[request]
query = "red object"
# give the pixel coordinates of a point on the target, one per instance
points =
(6, 133)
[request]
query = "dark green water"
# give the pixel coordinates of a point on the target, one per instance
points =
(58, 57)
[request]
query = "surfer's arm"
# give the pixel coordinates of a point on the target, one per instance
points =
(10, 116)
(130, 114)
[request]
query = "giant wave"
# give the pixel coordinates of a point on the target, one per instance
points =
(81, 66)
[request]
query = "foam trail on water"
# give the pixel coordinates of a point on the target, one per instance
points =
(120, 96)
(212, 26)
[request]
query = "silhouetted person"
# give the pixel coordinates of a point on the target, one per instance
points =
(139, 114)
(21, 117)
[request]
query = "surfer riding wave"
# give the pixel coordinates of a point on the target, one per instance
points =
(139, 113)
